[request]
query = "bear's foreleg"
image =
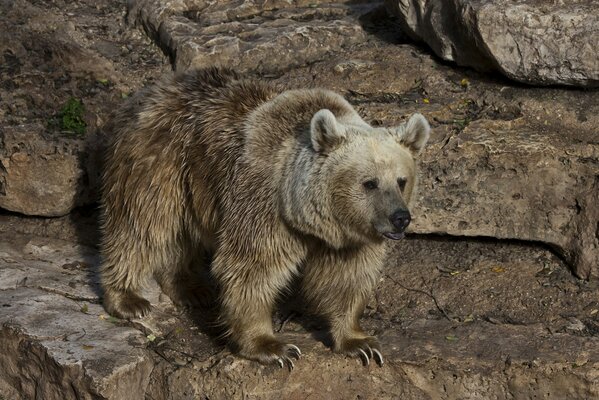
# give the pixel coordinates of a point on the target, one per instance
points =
(336, 285)
(249, 289)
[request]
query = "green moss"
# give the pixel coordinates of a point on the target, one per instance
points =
(70, 117)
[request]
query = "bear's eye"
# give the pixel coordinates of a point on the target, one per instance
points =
(402, 183)
(371, 184)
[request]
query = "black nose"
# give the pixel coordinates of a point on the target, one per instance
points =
(400, 219)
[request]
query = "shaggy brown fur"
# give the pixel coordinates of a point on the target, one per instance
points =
(271, 185)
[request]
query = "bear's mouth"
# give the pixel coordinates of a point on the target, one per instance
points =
(394, 235)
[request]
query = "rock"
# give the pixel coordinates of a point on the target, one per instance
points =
(504, 179)
(543, 42)
(58, 343)
(504, 161)
(44, 176)
(50, 54)
(266, 37)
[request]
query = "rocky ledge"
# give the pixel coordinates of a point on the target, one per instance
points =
(457, 319)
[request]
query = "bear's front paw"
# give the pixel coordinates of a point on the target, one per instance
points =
(268, 350)
(366, 348)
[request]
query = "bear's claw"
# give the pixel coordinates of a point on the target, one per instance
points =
(271, 351)
(292, 351)
(364, 357)
(378, 357)
(366, 349)
(296, 352)
(286, 361)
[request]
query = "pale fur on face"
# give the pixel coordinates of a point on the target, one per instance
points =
(358, 154)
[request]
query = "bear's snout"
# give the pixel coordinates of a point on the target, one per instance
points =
(400, 220)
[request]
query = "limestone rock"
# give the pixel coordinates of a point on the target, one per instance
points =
(537, 42)
(266, 37)
(40, 175)
(56, 341)
(449, 314)
(503, 162)
(508, 180)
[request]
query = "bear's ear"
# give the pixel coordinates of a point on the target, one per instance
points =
(325, 132)
(414, 134)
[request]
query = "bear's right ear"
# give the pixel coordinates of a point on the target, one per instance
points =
(325, 132)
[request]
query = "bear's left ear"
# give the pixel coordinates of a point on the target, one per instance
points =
(326, 133)
(414, 134)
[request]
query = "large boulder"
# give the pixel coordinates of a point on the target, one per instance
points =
(542, 42)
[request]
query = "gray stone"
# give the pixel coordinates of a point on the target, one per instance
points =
(504, 179)
(450, 316)
(266, 37)
(503, 162)
(543, 42)
(56, 341)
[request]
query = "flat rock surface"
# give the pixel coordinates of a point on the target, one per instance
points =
(457, 319)
(543, 42)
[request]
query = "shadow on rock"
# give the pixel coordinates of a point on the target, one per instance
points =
(384, 26)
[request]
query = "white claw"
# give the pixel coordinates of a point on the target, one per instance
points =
(365, 358)
(378, 356)
(291, 364)
(281, 364)
(299, 352)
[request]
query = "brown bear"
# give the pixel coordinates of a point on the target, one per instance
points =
(271, 185)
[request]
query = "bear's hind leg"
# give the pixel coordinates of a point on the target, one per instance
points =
(122, 278)
(336, 285)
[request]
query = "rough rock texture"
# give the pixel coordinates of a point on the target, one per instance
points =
(41, 175)
(521, 183)
(504, 161)
(53, 344)
(538, 42)
(457, 319)
(50, 53)
(263, 36)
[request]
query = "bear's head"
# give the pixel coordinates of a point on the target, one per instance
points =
(371, 172)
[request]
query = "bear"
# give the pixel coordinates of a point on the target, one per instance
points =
(273, 185)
